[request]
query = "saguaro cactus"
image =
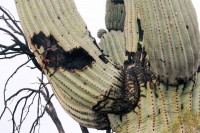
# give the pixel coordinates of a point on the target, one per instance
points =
(140, 78)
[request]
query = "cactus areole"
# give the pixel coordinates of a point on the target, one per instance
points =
(140, 78)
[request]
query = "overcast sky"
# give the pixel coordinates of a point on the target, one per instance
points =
(93, 12)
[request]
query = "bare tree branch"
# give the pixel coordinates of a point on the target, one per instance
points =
(50, 109)
(18, 47)
(14, 22)
(108, 131)
(84, 129)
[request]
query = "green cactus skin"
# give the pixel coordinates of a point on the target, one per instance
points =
(114, 40)
(100, 33)
(131, 29)
(171, 38)
(158, 108)
(79, 90)
(115, 15)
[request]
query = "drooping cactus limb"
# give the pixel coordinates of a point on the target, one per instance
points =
(58, 36)
(171, 38)
(115, 15)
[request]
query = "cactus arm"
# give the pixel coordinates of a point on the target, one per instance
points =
(115, 15)
(56, 32)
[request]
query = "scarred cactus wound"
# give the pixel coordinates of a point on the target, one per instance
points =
(54, 56)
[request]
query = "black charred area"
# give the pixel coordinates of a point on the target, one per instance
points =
(117, 1)
(103, 58)
(55, 57)
(135, 72)
(198, 70)
(140, 65)
(141, 32)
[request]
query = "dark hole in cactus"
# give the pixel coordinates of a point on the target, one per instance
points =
(54, 55)
(103, 58)
(117, 1)
(181, 80)
(141, 32)
(182, 107)
(187, 27)
(198, 70)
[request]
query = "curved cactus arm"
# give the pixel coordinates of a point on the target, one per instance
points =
(115, 15)
(171, 38)
(78, 72)
(112, 44)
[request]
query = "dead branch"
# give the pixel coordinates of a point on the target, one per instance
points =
(30, 96)
(50, 109)
(14, 22)
(18, 48)
(84, 129)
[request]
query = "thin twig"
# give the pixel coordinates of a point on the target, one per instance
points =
(50, 109)
(8, 14)
(84, 129)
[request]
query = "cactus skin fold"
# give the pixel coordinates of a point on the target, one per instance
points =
(134, 81)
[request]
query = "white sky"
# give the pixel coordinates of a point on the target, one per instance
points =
(93, 13)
